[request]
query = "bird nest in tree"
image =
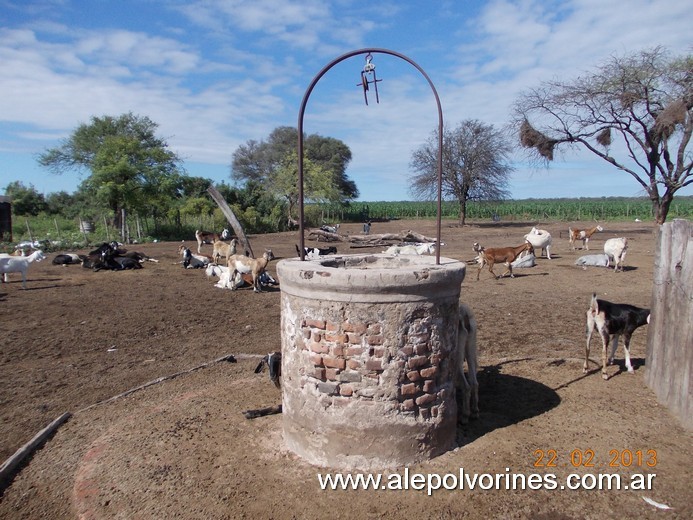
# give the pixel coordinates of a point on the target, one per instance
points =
(673, 114)
(604, 137)
(532, 138)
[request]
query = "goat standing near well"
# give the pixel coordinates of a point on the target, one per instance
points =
(495, 255)
(611, 320)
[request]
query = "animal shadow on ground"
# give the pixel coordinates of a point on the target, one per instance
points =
(505, 400)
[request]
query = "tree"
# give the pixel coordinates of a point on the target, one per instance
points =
(269, 163)
(130, 166)
(642, 101)
(475, 165)
(25, 199)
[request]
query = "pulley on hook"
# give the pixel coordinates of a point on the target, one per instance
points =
(369, 69)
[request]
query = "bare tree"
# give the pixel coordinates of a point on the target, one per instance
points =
(475, 165)
(634, 112)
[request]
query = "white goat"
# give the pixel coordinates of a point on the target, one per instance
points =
(222, 272)
(540, 239)
(615, 249)
(466, 349)
(412, 249)
(19, 264)
(245, 265)
(601, 260)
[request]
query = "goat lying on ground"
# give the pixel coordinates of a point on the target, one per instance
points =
(615, 249)
(19, 264)
(495, 255)
(208, 237)
(315, 252)
(191, 260)
(582, 234)
(254, 266)
(540, 239)
(68, 258)
(601, 260)
(330, 229)
(412, 249)
(466, 349)
(612, 320)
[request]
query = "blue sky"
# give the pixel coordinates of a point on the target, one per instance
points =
(216, 73)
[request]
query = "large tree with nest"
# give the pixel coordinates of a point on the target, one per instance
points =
(634, 112)
(476, 165)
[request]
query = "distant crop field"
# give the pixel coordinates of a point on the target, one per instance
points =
(602, 209)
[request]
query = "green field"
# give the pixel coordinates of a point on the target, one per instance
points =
(583, 209)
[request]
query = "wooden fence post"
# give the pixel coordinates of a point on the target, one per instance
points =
(669, 364)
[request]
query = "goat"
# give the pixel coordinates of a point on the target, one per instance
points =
(507, 255)
(220, 249)
(601, 260)
(615, 249)
(274, 362)
(314, 252)
(540, 239)
(207, 237)
(612, 320)
(330, 229)
(466, 349)
(19, 264)
(582, 234)
(68, 258)
(255, 266)
(411, 249)
(191, 260)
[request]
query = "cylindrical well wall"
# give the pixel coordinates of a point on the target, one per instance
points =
(369, 354)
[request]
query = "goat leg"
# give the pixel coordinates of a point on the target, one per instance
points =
(626, 348)
(614, 346)
(605, 346)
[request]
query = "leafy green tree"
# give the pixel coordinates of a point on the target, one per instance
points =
(25, 199)
(476, 165)
(130, 167)
(641, 101)
(269, 164)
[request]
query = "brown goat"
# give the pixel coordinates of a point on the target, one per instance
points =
(496, 255)
(582, 234)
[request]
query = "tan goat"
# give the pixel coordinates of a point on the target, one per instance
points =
(223, 249)
(495, 255)
(246, 265)
(582, 234)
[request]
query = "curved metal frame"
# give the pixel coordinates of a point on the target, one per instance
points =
(300, 136)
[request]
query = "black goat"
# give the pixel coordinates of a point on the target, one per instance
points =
(612, 320)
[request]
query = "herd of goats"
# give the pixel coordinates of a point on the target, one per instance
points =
(610, 320)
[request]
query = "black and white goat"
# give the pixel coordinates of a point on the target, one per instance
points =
(273, 361)
(68, 258)
(611, 320)
(192, 260)
(315, 252)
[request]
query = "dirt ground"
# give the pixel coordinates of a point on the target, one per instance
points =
(182, 448)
